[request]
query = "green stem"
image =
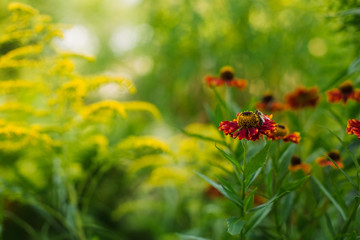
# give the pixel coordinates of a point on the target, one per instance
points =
(242, 234)
(351, 217)
(243, 175)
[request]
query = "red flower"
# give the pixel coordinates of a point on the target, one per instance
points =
(226, 77)
(296, 165)
(353, 127)
(282, 132)
(248, 125)
(302, 97)
(268, 104)
(343, 93)
(325, 161)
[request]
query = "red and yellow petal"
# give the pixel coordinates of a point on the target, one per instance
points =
(238, 83)
(353, 127)
(305, 167)
(324, 161)
(228, 127)
(294, 137)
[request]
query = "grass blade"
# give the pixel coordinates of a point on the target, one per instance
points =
(323, 189)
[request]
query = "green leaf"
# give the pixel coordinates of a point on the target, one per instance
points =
(269, 202)
(257, 217)
(295, 184)
(201, 137)
(235, 225)
(323, 189)
(249, 199)
(190, 237)
(220, 100)
(343, 172)
(284, 160)
(228, 157)
(235, 198)
(257, 161)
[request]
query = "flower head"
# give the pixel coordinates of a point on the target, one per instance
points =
(325, 161)
(353, 127)
(343, 93)
(249, 125)
(296, 165)
(302, 97)
(282, 132)
(268, 104)
(227, 76)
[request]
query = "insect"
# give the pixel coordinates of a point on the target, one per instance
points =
(261, 117)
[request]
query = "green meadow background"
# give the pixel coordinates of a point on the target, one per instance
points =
(141, 170)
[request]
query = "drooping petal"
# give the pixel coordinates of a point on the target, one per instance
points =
(238, 83)
(294, 137)
(353, 127)
(252, 134)
(228, 127)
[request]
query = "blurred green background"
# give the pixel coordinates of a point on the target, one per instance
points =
(167, 47)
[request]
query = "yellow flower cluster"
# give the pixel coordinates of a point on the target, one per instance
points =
(97, 81)
(138, 143)
(15, 86)
(17, 137)
(110, 107)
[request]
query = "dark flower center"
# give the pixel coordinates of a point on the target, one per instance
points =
(227, 75)
(334, 155)
(346, 88)
(247, 120)
(268, 98)
(295, 160)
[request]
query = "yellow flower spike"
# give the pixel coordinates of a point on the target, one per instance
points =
(168, 176)
(17, 107)
(15, 6)
(22, 51)
(27, 136)
(97, 81)
(92, 110)
(135, 142)
(144, 106)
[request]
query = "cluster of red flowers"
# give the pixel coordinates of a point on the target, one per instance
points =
(254, 125)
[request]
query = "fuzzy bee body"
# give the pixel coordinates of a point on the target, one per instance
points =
(261, 117)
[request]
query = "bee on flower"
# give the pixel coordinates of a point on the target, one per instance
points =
(353, 127)
(249, 125)
(296, 164)
(302, 97)
(343, 93)
(268, 104)
(227, 77)
(325, 161)
(282, 132)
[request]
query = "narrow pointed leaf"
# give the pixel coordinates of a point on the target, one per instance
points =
(328, 195)
(228, 157)
(232, 197)
(235, 225)
(292, 186)
(201, 137)
(257, 161)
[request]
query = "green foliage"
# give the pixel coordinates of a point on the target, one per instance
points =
(86, 155)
